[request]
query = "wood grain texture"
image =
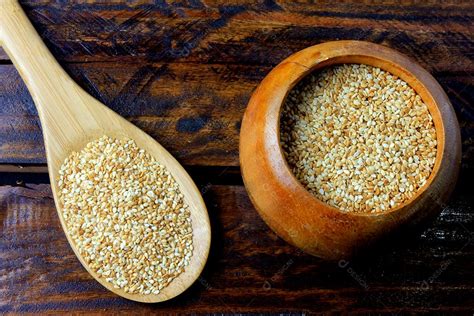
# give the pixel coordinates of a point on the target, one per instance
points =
(245, 31)
(184, 73)
(187, 70)
(249, 268)
(171, 102)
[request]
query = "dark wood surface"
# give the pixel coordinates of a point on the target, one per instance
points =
(184, 72)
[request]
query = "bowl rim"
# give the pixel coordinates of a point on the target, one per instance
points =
(350, 56)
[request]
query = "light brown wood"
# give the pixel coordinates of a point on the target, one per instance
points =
(71, 118)
(295, 214)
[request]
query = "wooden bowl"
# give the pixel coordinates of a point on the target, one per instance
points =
(287, 207)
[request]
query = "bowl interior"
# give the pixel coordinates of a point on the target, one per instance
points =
(396, 69)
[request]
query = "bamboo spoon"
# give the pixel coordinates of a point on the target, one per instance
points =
(71, 118)
(282, 201)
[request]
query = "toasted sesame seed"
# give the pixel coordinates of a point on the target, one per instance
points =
(358, 138)
(116, 200)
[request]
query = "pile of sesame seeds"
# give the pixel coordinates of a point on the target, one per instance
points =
(358, 138)
(126, 215)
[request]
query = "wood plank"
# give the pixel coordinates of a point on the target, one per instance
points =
(249, 270)
(32, 169)
(194, 110)
(437, 34)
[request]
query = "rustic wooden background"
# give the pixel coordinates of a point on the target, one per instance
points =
(183, 72)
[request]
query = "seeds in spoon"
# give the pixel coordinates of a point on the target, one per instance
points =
(358, 138)
(126, 215)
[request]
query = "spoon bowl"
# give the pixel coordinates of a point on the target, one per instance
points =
(287, 207)
(71, 118)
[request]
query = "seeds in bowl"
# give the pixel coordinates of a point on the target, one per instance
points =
(358, 138)
(126, 215)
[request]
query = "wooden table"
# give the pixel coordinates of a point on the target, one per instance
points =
(183, 73)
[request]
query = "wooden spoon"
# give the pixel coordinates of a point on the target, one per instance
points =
(288, 208)
(71, 118)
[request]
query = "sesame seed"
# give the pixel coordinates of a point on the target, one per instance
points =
(356, 128)
(116, 200)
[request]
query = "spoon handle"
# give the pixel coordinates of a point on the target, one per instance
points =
(62, 105)
(36, 65)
